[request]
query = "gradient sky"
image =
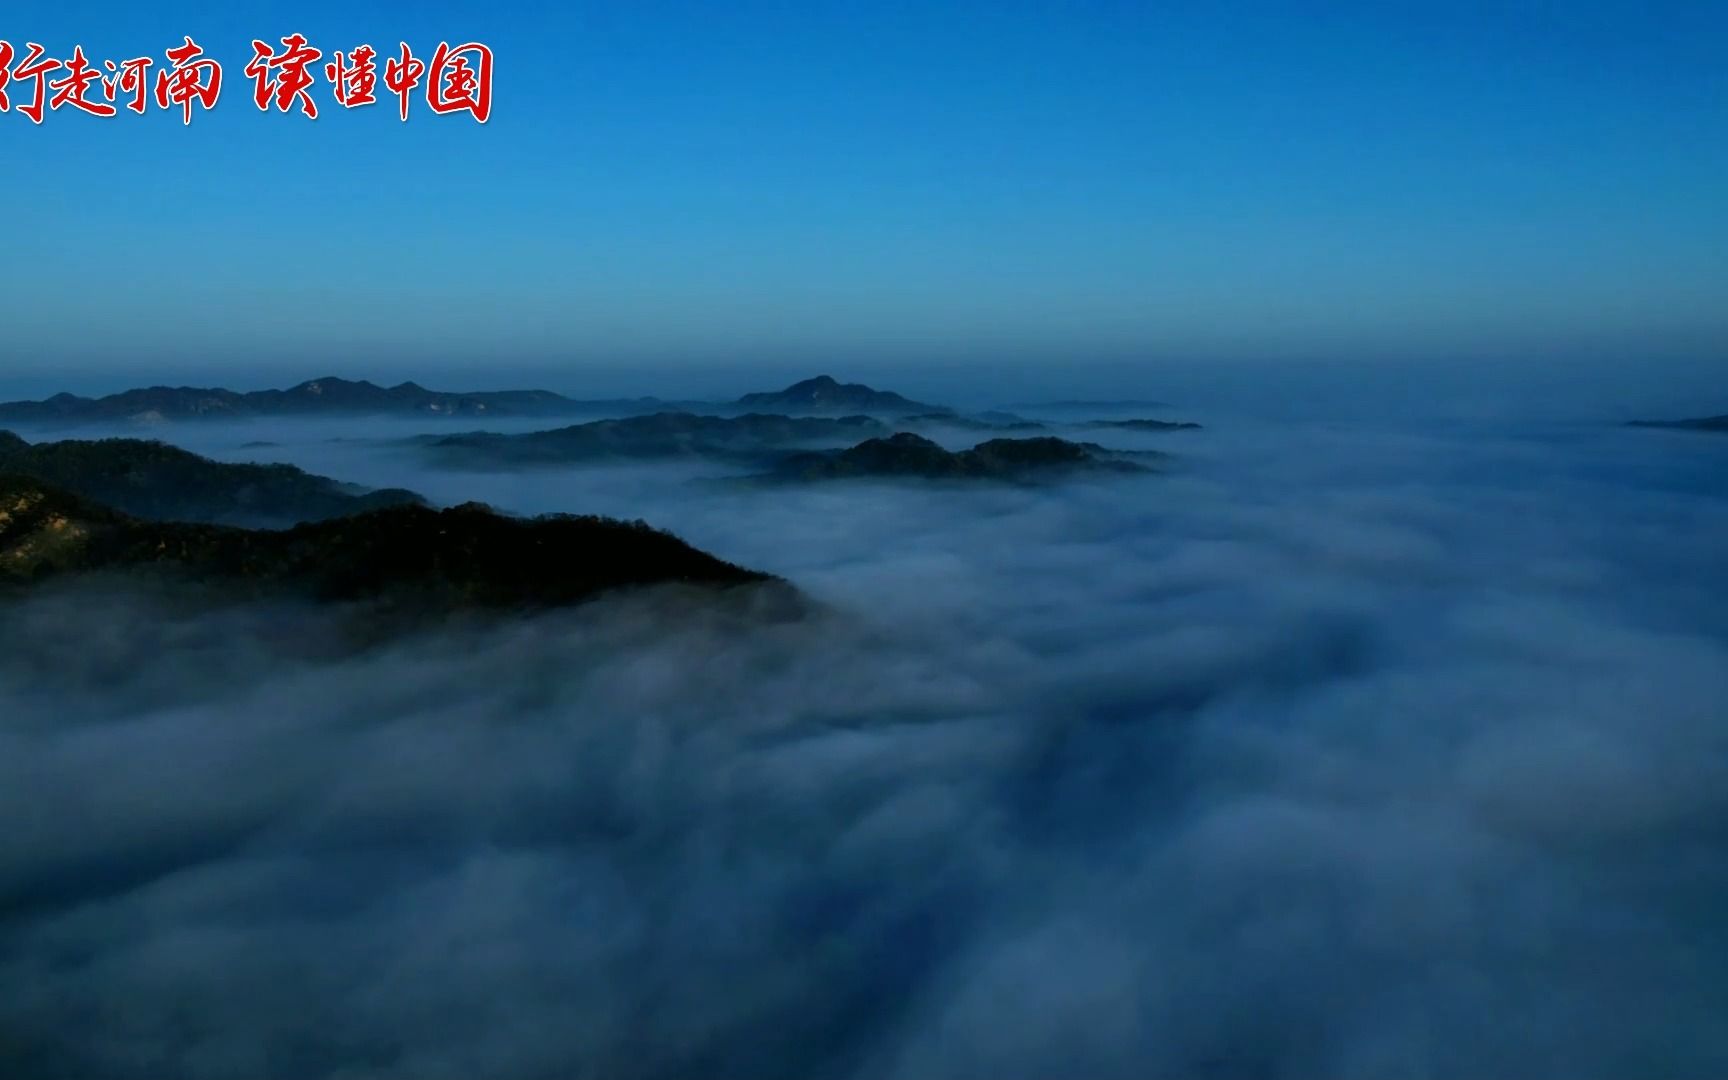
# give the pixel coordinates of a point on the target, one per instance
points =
(695, 183)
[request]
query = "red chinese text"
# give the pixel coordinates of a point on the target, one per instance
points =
(190, 77)
(282, 77)
(456, 79)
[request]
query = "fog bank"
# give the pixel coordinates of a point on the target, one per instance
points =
(1343, 749)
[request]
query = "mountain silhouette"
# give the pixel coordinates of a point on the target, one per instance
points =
(1144, 425)
(753, 437)
(1705, 423)
(824, 394)
(152, 479)
(414, 557)
(326, 396)
(913, 456)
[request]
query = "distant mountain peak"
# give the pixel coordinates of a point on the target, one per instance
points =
(750, 437)
(906, 455)
(1701, 423)
(824, 393)
(328, 393)
(322, 382)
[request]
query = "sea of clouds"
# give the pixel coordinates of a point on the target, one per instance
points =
(1344, 749)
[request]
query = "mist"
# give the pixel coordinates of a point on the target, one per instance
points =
(1372, 742)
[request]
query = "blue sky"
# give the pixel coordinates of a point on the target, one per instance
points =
(698, 183)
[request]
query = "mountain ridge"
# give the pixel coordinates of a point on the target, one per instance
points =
(467, 557)
(658, 436)
(1701, 423)
(151, 479)
(825, 394)
(906, 455)
(327, 395)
